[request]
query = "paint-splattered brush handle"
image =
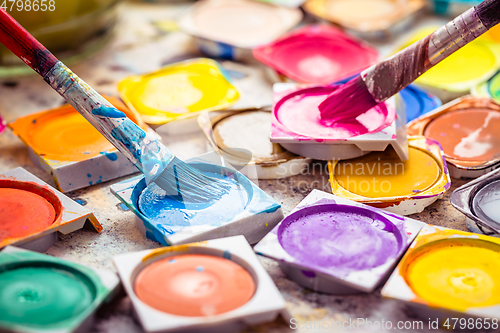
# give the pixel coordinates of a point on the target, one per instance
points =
(390, 76)
(141, 148)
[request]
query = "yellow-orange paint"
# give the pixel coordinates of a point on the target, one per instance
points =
(494, 33)
(62, 134)
(470, 65)
(455, 273)
(178, 90)
(381, 174)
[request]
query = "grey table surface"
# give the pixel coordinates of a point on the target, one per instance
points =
(142, 43)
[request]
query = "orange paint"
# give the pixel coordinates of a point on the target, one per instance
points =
(23, 213)
(62, 134)
(194, 285)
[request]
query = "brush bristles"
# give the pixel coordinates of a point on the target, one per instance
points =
(347, 102)
(489, 13)
(183, 182)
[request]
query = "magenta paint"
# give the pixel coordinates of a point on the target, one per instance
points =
(297, 115)
(317, 54)
(340, 239)
(3, 125)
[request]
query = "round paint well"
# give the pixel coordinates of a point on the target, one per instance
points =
(339, 239)
(43, 294)
(455, 273)
(160, 208)
(26, 209)
(298, 112)
(63, 134)
(381, 174)
(194, 285)
(486, 202)
(468, 134)
(494, 87)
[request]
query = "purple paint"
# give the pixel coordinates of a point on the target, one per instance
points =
(339, 239)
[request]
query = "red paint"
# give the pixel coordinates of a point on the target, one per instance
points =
(317, 54)
(26, 208)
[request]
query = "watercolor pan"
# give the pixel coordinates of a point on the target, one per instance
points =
(246, 210)
(230, 258)
(479, 200)
(381, 180)
(41, 202)
(455, 76)
(448, 274)
(360, 265)
(41, 293)
(468, 156)
(195, 85)
(242, 137)
(369, 19)
(64, 144)
(316, 54)
(489, 89)
(230, 29)
(300, 132)
(452, 8)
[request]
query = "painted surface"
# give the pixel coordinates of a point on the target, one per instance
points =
(3, 125)
(455, 273)
(297, 112)
(418, 102)
(40, 296)
(339, 239)
(468, 135)
(194, 285)
(317, 54)
(486, 202)
(162, 209)
(381, 174)
(23, 213)
(178, 90)
(241, 23)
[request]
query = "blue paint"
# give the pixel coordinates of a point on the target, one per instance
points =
(106, 111)
(112, 156)
(200, 268)
(99, 181)
(227, 255)
(89, 175)
(172, 261)
(90, 183)
(81, 201)
(123, 207)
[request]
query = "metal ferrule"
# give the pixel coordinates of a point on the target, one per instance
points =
(454, 35)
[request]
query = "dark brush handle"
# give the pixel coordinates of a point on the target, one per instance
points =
(25, 46)
(390, 76)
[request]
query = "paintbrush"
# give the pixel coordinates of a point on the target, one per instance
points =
(385, 79)
(152, 158)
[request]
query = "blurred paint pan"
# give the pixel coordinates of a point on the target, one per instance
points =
(453, 8)
(32, 212)
(212, 286)
(41, 293)
(242, 137)
(296, 128)
(245, 210)
(382, 180)
(449, 274)
(64, 144)
(337, 246)
(467, 129)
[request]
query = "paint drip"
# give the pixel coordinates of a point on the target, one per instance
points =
(194, 285)
(486, 202)
(162, 209)
(339, 239)
(23, 213)
(43, 296)
(456, 273)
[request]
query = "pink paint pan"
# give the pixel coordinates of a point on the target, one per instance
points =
(317, 54)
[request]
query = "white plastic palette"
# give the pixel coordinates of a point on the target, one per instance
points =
(354, 282)
(260, 214)
(265, 305)
(325, 149)
(72, 216)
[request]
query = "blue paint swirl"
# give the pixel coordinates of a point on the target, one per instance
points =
(106, 111)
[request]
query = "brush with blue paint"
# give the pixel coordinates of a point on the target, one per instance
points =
(383, 80)
(158, 164)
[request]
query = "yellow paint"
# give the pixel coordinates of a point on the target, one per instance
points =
(457, 273)
(62, 134)
(381, 174)
(178, 90)
(474, 63)
(178, 248)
